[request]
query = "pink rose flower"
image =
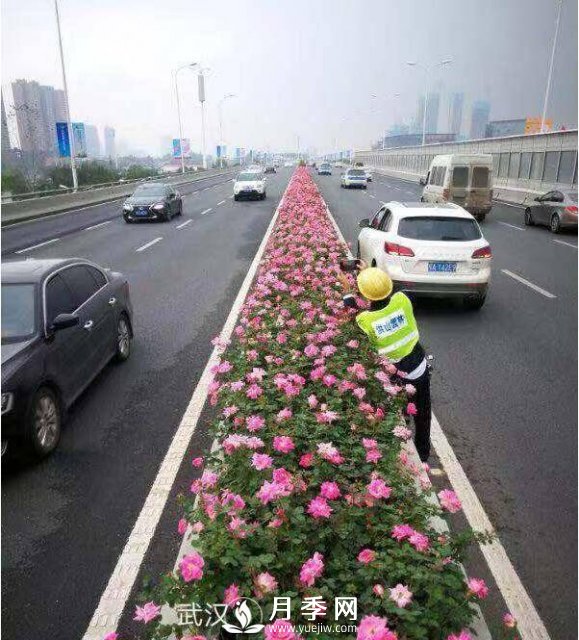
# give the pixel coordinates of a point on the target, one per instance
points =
(449, 500)
(191, 567)
(264, 583)
(411, 409)
(477, 587)
(509, 621)
(401, 595)
(312, 569)
(261, 461)
(366, 556)
(319, 508)
(283, 444)
(330, 490)
(232, 594)
(378, 590)
(374, 628)
(197, 462)
(280, 630)
(147, 612)
(379, 489)
(182, 526)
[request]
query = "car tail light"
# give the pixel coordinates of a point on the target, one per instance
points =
(571, 209)
(398, 250)
(483, 252)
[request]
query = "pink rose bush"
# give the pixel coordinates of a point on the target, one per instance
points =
(312, 493)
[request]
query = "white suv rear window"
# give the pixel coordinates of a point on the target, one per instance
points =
(439, 229)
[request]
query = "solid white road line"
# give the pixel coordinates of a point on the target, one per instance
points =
(36, 246)
(206, 211)
(512, 226)
(222, 202)
(97, 226)
(567, 244)
(371, 196)
(64, 213)
(514, 593)
(149, 244)
(508, 582)
(113, 600)
(529, 284)
(510, 204)
(183, 224)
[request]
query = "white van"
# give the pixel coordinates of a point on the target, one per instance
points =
(463, 179)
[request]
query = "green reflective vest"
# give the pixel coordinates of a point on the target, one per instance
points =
(393, 329)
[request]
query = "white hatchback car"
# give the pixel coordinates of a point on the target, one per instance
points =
(429, 249)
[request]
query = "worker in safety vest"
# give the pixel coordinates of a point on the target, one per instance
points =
(391, 328)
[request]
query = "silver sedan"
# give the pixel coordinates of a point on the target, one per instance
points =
(555, 209)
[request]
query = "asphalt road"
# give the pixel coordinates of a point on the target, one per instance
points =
(65, 521)
(505, 391)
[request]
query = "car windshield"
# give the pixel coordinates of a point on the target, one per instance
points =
(357, 173)
(152, 190)
(324, 166)
(572, 195)
(438, 228)
(248, 177)
(18, 312)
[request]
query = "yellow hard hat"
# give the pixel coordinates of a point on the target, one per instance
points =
(374, 284)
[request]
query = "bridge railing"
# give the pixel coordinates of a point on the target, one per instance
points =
(523, 166)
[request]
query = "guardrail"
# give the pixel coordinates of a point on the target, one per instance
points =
(23, 210)
(523, 166)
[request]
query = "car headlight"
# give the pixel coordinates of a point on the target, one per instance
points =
(7, 402)
(158, 206)
(127, 206)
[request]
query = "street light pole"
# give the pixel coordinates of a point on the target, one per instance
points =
(201, 80)
(550, 74)
(219, 110)
(428, 69)
(185, 66)
(67, 107)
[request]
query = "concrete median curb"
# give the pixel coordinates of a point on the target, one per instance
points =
(27, 210)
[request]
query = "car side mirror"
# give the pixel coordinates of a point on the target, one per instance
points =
(64, 321)
(422, 181)
(365, 222)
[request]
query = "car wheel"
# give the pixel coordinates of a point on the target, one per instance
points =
(123, 350)
(43, 423)
(180, 211)
(358, 256)
(236, 198)
(374, 263)
(127, 219)
(555, 223)
(529, 218)
(474, 303)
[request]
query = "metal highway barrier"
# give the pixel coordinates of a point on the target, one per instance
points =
(523, 166)
(22, 210)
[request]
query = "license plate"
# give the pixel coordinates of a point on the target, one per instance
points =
(442, 267)
(141, 212)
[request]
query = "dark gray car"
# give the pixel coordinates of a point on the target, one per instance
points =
(63, 320)
(555, 209)
(153, 201)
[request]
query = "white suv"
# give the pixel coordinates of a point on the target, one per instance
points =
(249, 184)
(429, 249)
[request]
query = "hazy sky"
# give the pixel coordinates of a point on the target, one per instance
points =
(297, 67)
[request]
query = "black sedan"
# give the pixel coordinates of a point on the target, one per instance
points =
(153, 201)
(63, 320)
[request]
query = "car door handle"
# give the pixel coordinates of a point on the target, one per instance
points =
(112, 301)
(88, 325)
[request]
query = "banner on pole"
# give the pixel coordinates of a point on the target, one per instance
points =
(63, 139)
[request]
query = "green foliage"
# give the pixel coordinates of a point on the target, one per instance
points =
(137, 171)
(13, 181)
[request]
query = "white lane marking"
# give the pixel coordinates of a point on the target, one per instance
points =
(183, 224)
(567, 244)
(512, 226)
(514, 593)
(36, 246)
(149, 244)
(97, 226)
(113, 600)
(231, 197)
(222, 202)
(371, 196)
(206, 211)
(528, 284)
(510, 204)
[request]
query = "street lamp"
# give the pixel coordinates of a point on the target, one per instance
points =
(428, 69)
(219, 109)
(67, 107)
(550, 74)
(185, 66)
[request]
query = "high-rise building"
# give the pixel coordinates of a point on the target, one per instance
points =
(4, 134)
(29, 116)
(431, 124)
(37, 109)
(110, 143)
(432, 112)
(93, 143)
(479, 119)
(455, 113)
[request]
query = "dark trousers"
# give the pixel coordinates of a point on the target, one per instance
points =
(422, 419)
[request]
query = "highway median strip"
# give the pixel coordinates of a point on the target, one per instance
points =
(311, 494)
